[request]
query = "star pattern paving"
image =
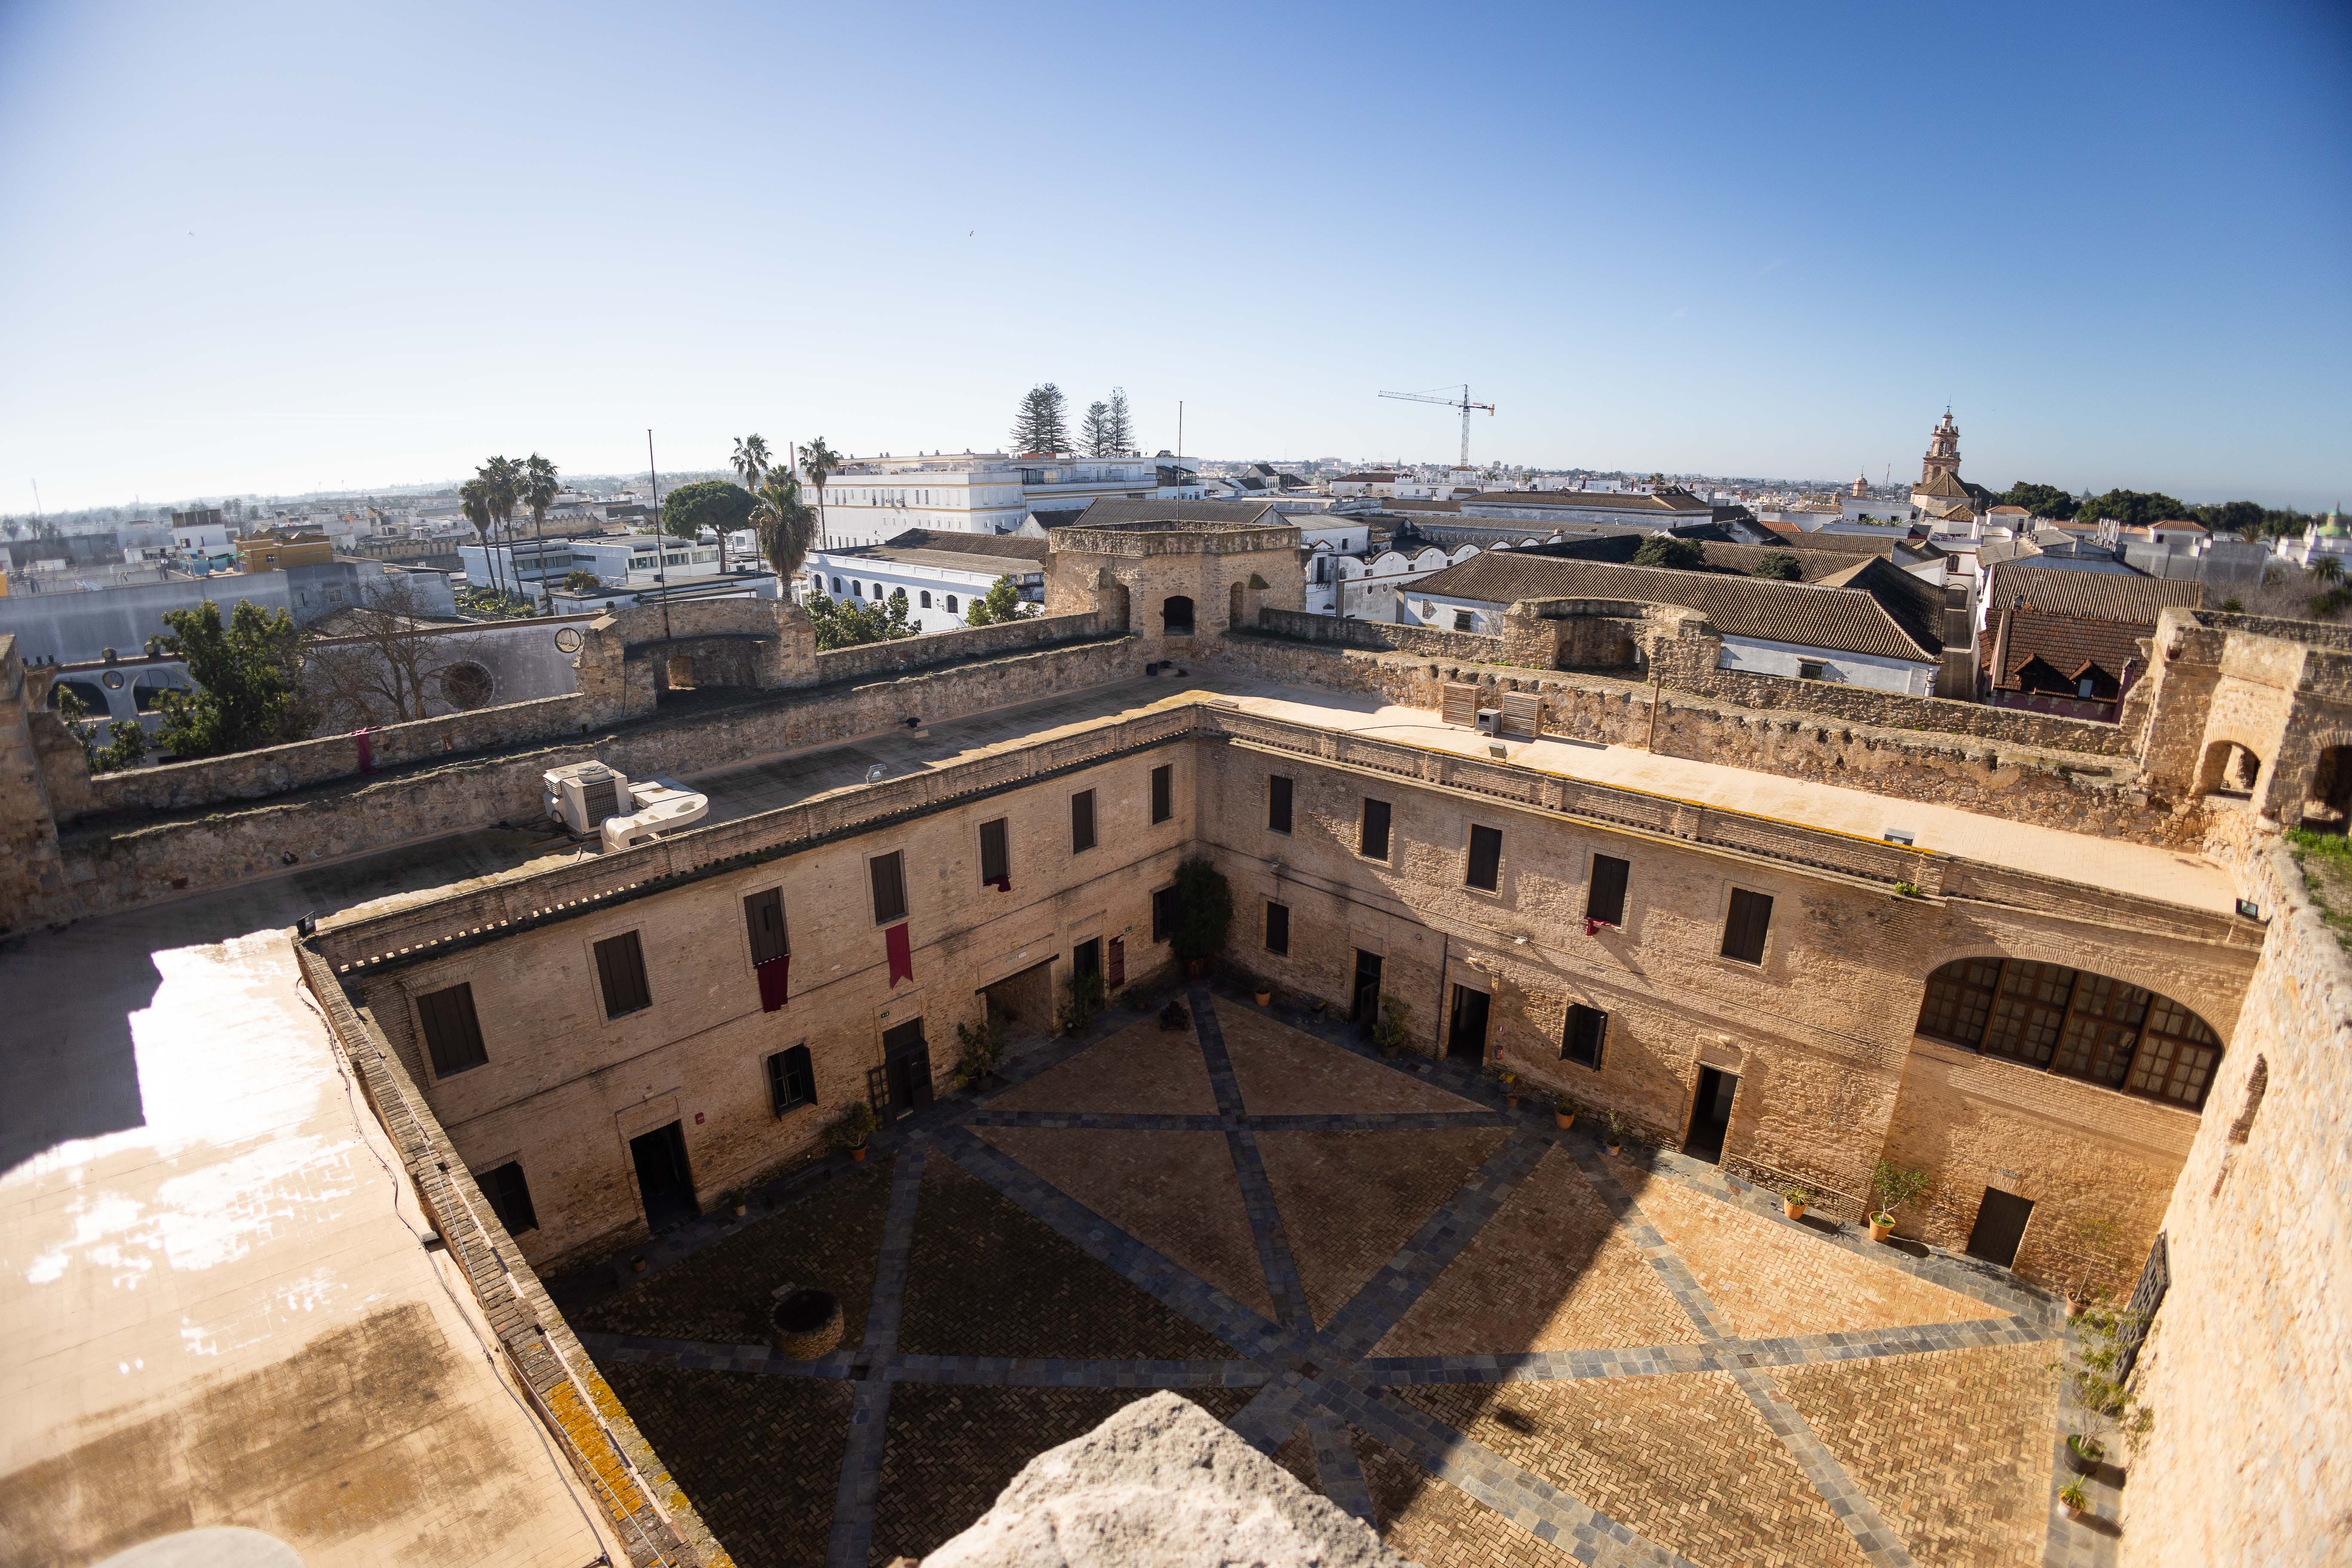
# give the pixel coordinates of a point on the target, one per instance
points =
(1469, 1328)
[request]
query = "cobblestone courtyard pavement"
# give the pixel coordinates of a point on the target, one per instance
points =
(1477, 1332)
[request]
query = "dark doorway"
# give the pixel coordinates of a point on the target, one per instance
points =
(1364, 997)
(1025, 1001)
(1176, 616)
(906, 1071)
(1465, 1029)
(1086, 958)
(2001, 1226)
(663, 1180)
(1710, 1114)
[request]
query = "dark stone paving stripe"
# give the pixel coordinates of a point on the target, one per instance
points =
(1097, 1121)
(852, 1539)
(1130, 1258)
(756, 1359)
(1871, 1532)
(1273, 1255)
(1266, 1422)
(1211, 1035)
(1330, 1121)
(1381, 1122)
(1336, 1465)
(1390, 1294)
(1030, 1373)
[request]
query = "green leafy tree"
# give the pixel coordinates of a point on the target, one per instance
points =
(1001, 602)
(2042, 501)
(245, 674)
(125, 748)
(537, 485)
(1121, 433)
(583, 582)
(751, 464)
(1094, 430)
(1780, 565)
(1042, 425)
(784, 523)
(716, 504)
(850, 622)
(1665, 550)
(1894, 1187)
(2241, 517)
(2133, 508)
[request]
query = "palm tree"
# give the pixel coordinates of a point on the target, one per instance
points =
(749, 462)
(501, 479)
(474, 498)
(2327, 569)
(538, 488)
(784, 523)
(820, 461)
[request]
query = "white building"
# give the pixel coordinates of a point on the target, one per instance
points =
(940, 571)
(2329, 536)
(623, 560)
(874, 498)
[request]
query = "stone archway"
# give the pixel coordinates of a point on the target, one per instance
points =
(1176, 615)
(2228, 767)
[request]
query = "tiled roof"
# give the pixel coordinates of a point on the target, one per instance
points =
(1878, 544)
(1453, 505)
(1596, 500)
(1815, 564)
(2070, 645)
(1111, 511)
(1885, 615)
(956, 543)
(2127, 597)
(989, 566)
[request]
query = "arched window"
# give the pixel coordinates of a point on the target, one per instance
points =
(1176, 616)
(837, 587)
(857, 589)
(2070, 1021)
(926, 598)
(951, 604)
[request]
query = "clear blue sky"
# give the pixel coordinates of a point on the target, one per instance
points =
(257, 247)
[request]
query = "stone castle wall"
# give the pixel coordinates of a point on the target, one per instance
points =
(2248, 1367)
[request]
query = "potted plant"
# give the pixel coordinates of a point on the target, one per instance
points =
(852, 1128)
(1507, 1081)
(740, 1205)
(1264, 994)
(1793, 1201)
(1393, 1032)
(1081, 1005)
(2100, 1336)
(2085, 1452)
(1894, 1187)
(1204, 914)
(1616, 1133)
(983, 1049)
(1563, 1111)
(2074, 1500)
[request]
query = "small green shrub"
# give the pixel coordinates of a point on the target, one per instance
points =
(853, 1127)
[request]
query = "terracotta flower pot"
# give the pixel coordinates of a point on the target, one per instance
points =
(1880, 1226)
(1615, 1149)
(1563, 1120)
(857, 1154)
(740, 1209)
(637, 1265)
(1266, 998)
(1512, 1101)
(1792, 1209)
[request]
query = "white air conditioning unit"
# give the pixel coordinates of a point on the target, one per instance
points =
(584, 794)
(1490, 720)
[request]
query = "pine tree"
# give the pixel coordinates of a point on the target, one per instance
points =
(1041, 425)
(1094, 434)
(1121, 433)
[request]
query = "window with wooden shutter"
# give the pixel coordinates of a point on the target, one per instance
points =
(763, 918)
(509, 1197)
(1082, 822)
(1278, 803)
(621, 972)
(1604, 900)
(1580, 1040)
(1372, 836)
(1163, 793)
(888, 873)
(1486, 870)
(1746, 924)
(453, 1037)
(996, 853)
(792, 1079)
(1278, 929)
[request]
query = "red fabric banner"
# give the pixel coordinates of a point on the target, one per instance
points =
(772, 975)
(367, 750)
(1004, 884)
(902, 952)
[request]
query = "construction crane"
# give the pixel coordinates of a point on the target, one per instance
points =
(1450, 401)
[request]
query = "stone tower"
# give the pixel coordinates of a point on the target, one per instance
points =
(1943, 452)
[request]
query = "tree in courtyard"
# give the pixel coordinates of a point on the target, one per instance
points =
(1001, 602)
(386, 662)
(1041, 427)
(1665, 550)
(1780, 565)
(749, 462)
(820, 463)
(849, 623)
(716, 504)
(2042, 501)
(1122, 429)
(537, 485)
(784, 523)
(246, 674)
(1094, 430)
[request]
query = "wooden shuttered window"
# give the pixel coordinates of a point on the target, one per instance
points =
(1163, 791)
(792, 1079)
(1278, 803)
(888, 873)
(1485, 868)
(1278, 929)
(1372, 837)
(1604, 899)
(453, 1037)
(1082, 822)
(1744, 925)
(621, 970)
(764, 918)
(1580, 1040)
(995, 852)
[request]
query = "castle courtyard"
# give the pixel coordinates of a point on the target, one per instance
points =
(1483, 1333)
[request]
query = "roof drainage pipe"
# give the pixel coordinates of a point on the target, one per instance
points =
(662, 807)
